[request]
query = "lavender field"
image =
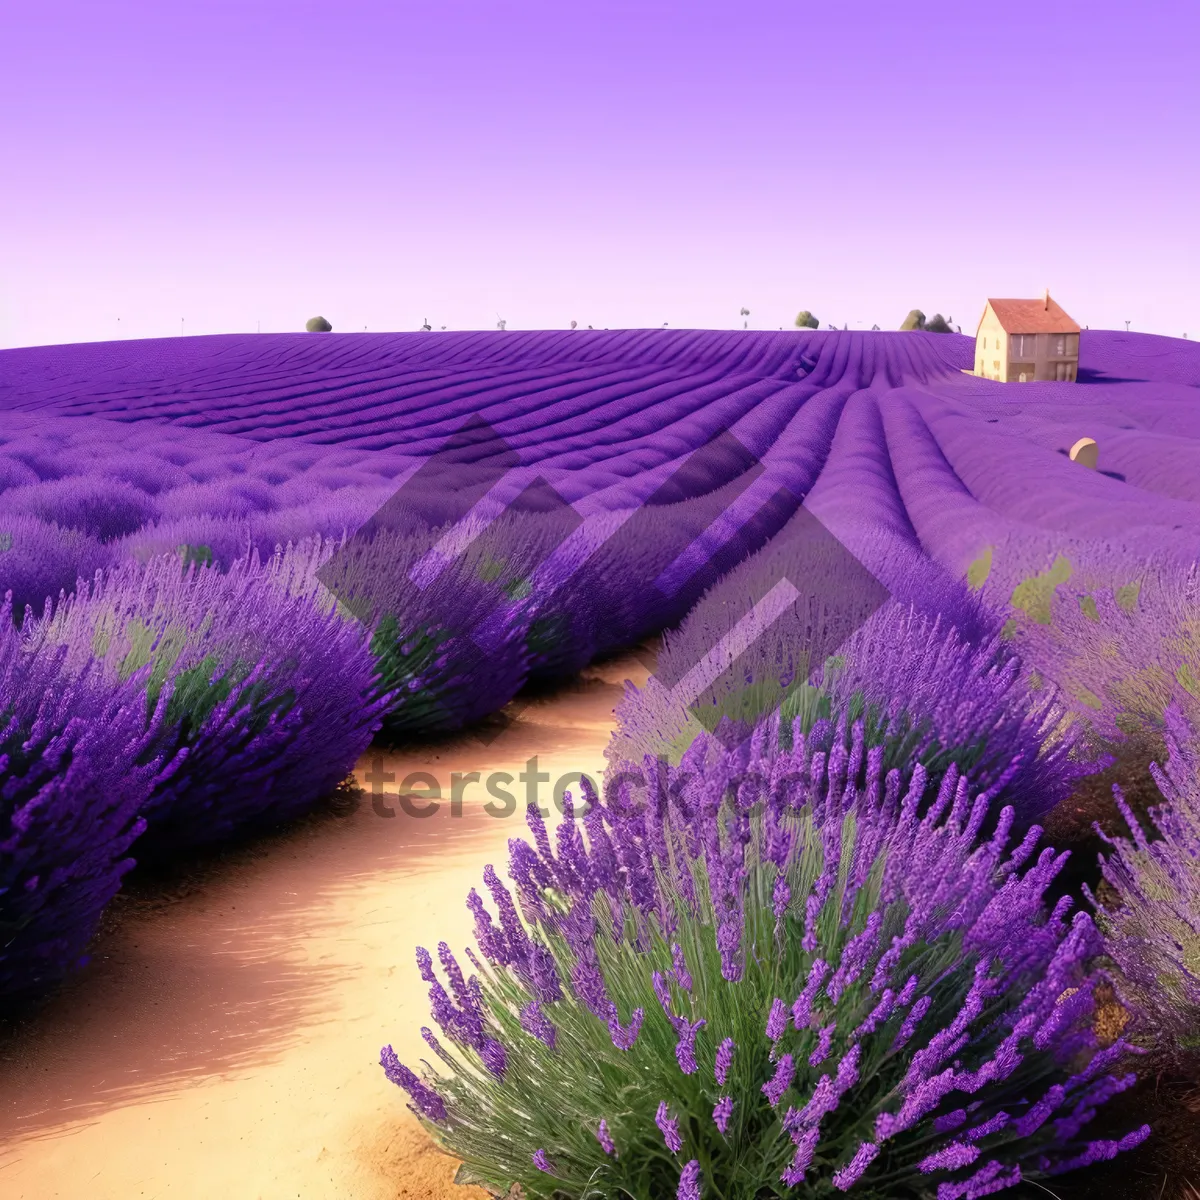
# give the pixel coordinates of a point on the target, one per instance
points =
(235, 563)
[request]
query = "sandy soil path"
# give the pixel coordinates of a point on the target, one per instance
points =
(227, 1044)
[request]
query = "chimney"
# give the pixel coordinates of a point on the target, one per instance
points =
(1046, 299)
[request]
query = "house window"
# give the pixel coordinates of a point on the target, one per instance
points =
(1023, 345)
(1060, 345)
(1021, 378)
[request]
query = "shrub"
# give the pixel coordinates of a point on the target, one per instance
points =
(270, 699)
(38, 560)
(1152, 930)
(927, 691)
(450, 649)
(718, 996)
(805, 320)
(102, 508)
(914, 320)
(937, 324)
(318, 325)
(76, 768)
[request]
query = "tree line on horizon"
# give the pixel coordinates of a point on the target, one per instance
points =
(916, 319)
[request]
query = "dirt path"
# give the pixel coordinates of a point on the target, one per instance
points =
(227, 1044)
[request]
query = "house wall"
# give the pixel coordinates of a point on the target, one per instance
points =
(1055, 363)
(991, 348)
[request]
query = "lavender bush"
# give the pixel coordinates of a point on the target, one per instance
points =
(38, 560)
(926, 692)
(448, 649)
(779, 975)
(1120, 651)
(77, 766)
(272, 700)
(1152, 930)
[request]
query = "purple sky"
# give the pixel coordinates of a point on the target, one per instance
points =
(621, 164)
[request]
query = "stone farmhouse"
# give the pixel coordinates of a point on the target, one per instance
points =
(1019, 341)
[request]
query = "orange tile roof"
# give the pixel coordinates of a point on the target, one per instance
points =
(1032, 316)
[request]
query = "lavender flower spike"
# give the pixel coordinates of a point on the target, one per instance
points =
(669, 1127)
(775, 1087)
(724, 1059)
(685, 1049)
(722, 1112)
(777, 1020)
(623, 1038)
(428, 1102)
(689, 1181)
(846, 1177)
(542, 1162)
(605, 1138)
(949, 1158)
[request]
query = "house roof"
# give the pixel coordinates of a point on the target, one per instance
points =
(1032, 316)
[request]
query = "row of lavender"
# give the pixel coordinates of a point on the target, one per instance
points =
(155, 711)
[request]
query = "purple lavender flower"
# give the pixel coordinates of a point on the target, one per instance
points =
(685, 1048)
(494, 1058)
(992, 1177)
(724, 1059)
(949, 1158)
(777, 1020)
(806, 1144)
(689, 1181)
(774, 1088)
(425, 963)
(916, 1013)
(605, 1138)
(1100, 1150)
(846, 1177)
(537, 1024)
(722, 1112)
(802, 1010)
(824, 1043)
(542, 1162)
(669, 1127)
(427, 1101)
(624, 1038)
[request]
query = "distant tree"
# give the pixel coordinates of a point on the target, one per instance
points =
(874, 326)
(914, 320)
(318, 325)
(937, 324)
(806, 320)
